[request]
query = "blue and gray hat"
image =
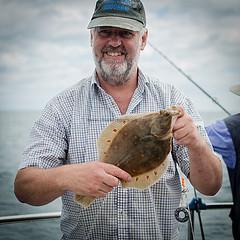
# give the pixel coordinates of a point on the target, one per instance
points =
(126, 14)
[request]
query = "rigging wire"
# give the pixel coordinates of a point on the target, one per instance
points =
(188, 77)
(214, 100)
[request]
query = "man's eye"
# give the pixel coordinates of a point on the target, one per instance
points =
(126, 34)
(104, 33)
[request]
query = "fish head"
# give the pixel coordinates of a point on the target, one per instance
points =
(163, 121)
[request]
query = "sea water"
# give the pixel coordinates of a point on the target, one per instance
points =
(15, 128)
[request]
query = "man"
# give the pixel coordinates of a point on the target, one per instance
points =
(225, 137)
(61, 159)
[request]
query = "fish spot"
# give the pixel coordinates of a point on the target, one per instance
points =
(114, 130)
(109, 141)
(155, 172)
(135, 143)
(147, 177)
(137, 179)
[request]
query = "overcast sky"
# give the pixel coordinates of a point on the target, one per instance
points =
(44, 48)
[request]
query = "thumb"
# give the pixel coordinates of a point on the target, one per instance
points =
(181, 110)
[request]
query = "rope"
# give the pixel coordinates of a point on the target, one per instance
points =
(189, 78)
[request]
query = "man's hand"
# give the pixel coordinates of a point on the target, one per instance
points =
(92, 179)
(37, 186)
(205, 168)
(185, 131)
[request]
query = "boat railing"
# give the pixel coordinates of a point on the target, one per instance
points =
(196, 205)
(28, 217)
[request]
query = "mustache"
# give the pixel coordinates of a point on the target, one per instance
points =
(114, 49)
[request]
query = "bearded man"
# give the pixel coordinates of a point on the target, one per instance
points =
(61, 159)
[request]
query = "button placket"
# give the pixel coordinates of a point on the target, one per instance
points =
(122, 208)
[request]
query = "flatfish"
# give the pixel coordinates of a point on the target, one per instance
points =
(138, 144)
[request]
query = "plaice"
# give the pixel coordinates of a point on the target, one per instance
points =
(138, 144)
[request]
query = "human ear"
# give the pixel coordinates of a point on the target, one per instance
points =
(144, 39)
(91, 37)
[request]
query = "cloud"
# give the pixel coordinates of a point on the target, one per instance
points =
(202, 38)
(44, 47)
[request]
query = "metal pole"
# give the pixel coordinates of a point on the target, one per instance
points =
(28, 217)
(191, 225)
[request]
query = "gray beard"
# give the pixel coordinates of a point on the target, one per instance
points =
(115, 74)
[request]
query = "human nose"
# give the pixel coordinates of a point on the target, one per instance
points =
(115, 40)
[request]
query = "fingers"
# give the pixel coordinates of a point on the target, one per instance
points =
(103, 190)
(110, 180)
(98, 189)
(181, 110)
(184, 129)
(117, 172)
(180, 121)
(102, 178)
(180, 133)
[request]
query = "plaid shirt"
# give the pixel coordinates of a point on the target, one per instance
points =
(66, 133)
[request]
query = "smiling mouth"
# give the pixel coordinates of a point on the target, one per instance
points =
(114, 57)
(114, 54)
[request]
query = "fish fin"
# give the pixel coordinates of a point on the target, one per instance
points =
(134, 116)
(84, 201)
(146, 180)
(107, 135)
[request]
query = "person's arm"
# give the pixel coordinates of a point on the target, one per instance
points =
(222, 142)
(205, 167)
(38, 186)
(51, 176)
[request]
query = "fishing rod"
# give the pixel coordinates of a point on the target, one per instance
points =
(188, 77)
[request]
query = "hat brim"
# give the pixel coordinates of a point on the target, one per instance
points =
(119, 22)
(235, 89)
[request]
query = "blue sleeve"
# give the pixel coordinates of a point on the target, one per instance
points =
(222, 142)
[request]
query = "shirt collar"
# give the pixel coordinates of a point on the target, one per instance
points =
(142, 80)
